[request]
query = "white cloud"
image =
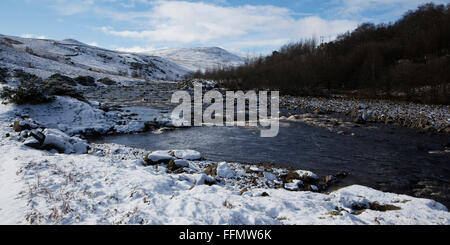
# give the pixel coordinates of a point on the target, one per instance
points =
(93, 44)
(214, 23)
(231, 27)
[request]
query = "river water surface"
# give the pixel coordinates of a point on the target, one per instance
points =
(387, 158)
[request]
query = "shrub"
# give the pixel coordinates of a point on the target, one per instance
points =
(86, 81)
(26, 93)
(32, 90)
(21, 75)
(107, 81)
(61, 79)
(3, 74)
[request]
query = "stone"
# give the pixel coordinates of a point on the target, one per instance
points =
(307, 176)
(19, 126)
(181, 163)
(33, 143)
(37, 135)
(329, 179)
(224, 170)
(265, 194)
(24, 133)
(313, 188)
(243, 191)
(187, 154)
(294, 186)
(172, 166)
(292, 175)
(269, 176)
(157, 157)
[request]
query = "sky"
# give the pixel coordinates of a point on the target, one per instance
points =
(249, 27)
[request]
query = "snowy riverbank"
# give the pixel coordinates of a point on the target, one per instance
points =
(113, 184)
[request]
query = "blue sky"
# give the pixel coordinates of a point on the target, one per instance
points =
(246, 27)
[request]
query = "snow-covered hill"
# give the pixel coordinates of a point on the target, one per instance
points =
(73, 58)
(195, 59)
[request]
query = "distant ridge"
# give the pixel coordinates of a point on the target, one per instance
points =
(199, 58)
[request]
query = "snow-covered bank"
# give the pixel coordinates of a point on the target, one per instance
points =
(112, 184)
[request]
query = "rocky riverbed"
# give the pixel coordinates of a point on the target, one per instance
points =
(429, 118)
(50, 175)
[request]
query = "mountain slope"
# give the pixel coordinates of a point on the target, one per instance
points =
(73, 58)
(195, 59)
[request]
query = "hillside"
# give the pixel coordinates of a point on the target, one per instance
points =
(73, 58)
(195, 59)
(408, 60)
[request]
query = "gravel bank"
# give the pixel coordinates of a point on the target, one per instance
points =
(430, 118)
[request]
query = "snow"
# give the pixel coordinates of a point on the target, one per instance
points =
(61, 141)
(30, 141)
(111, 184)
(269, 176)
(181, 163)
(158, 156)
(75, 117)
(309, 174)
(115, 188)
(294, 186)
(194, 59)
(187, 154)
(72, 58)
(224, 171)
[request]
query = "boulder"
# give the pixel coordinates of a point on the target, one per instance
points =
(24, 133)
(172, 166)
(294, 186)
(181, 163)
(158, 157)
(203, 179)
(269, 176)
(313, 188)
(224, 171)
(33, 143)
(37, 135)
(80, 147)
(307, 176)
(329, 179)
(292, 175)
(61, 142)
(187, 154)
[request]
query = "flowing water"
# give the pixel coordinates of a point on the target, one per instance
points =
(384, 157)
